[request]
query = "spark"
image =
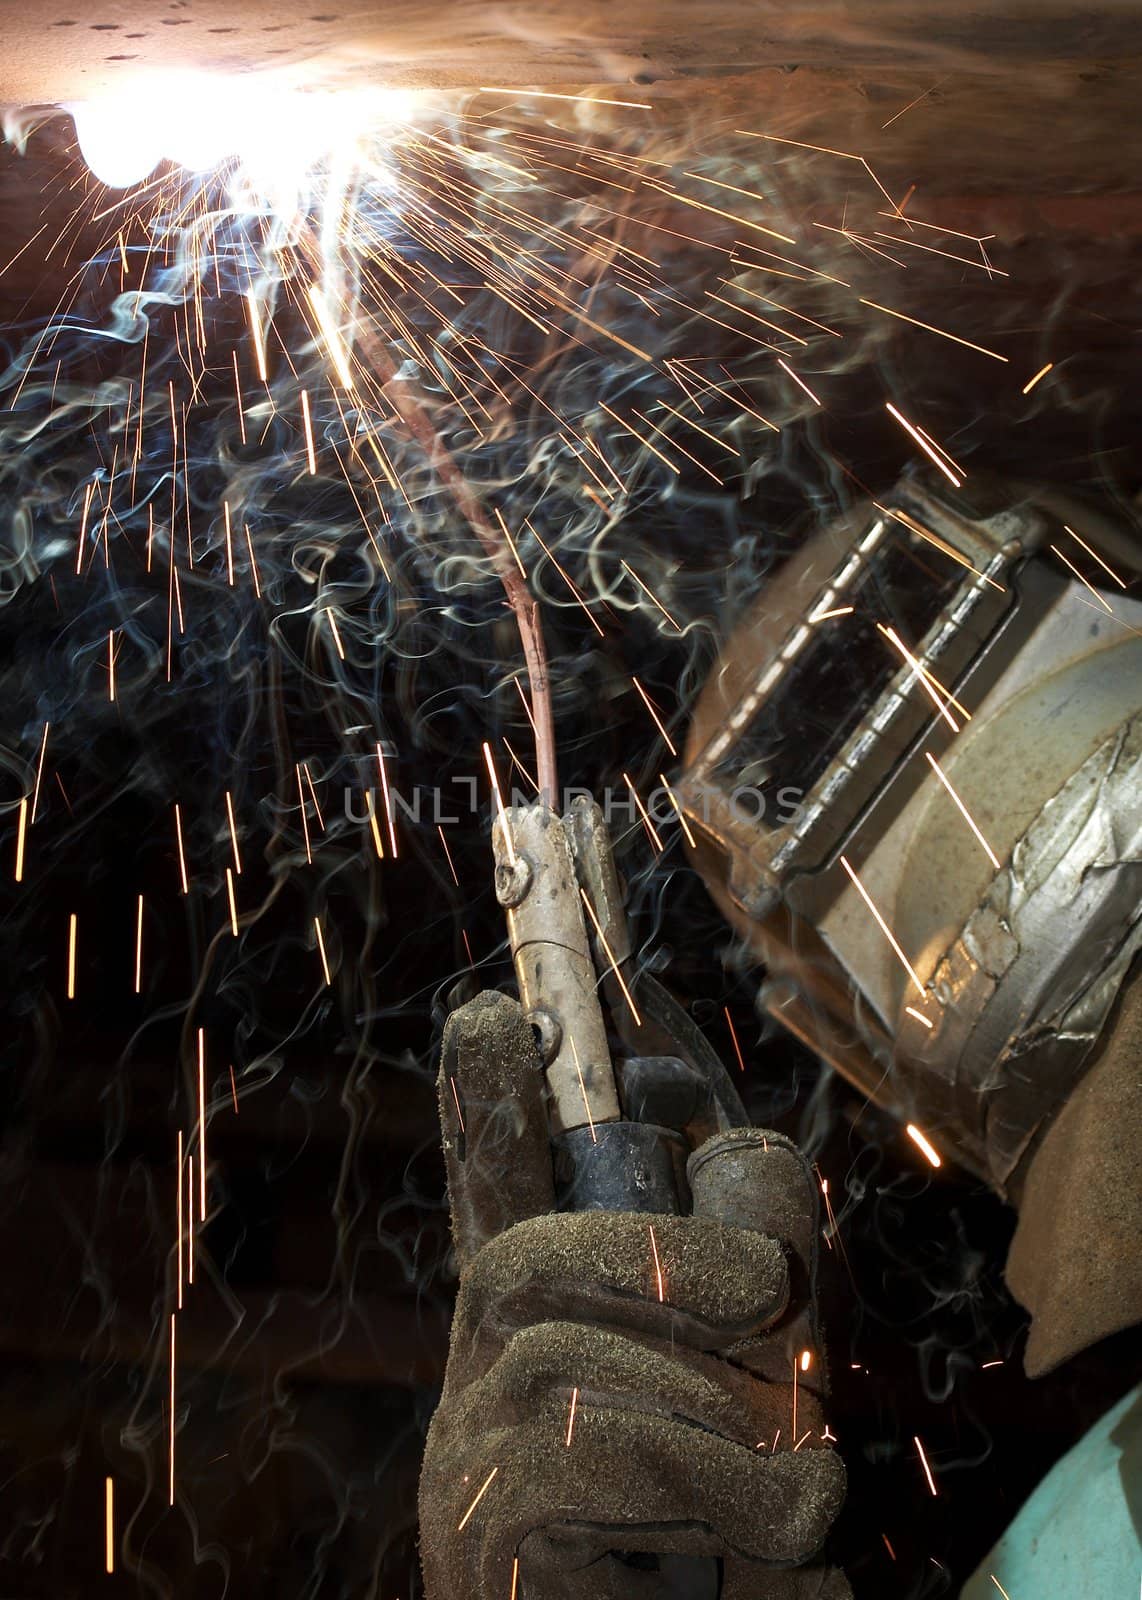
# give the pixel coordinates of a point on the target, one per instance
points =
(378, 844)
(932, 451)
(896, 117)
(921, 675)
(603, 940)
(178, 1213)
(1084, 581)
(181, 852)
(734, 1037)
(571, 1417)
(335, 631)
(253, 563)
(968, 818)
(189, 1219)
(670, 795)
(583, 1092)
(1042, 373)
(202, 1124)
(456, 1099)
(999, 1586)
(307, 424)
(924, 1144)
(21, 831)
(39, 771)
(72, 928)
(920, 1017)
(824, 616)
(139, 947)
(928, 328)
(657, 1266)
(109, 1524)
(486, 1485)
(447, 855)
(111, 666)
(806, 1360)
(256, 331)
(882, 925)
(500, 811)
(888, 1546)
(784, 365)
(549, 94)
(238, 393)
(321, 948)
(229, 544)
(643, 813)
(515, 1578)
(924, 1463)
(629, 570)
(385, 793)
(233, 834)
(172, 1411)
(304, 818)
(649, 704)
(929, 537)
(1094, 555)
(233, 1089)
(338, 354)
(233, 902)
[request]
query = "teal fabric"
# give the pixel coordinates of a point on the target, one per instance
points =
(1079, 1537)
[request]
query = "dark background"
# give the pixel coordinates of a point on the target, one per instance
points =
(312, 1346)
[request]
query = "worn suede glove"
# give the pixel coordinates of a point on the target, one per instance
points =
(620, 1416)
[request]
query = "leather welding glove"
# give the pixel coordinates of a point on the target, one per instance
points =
(620, 1416)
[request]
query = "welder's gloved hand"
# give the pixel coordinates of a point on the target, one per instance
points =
(619, 1414)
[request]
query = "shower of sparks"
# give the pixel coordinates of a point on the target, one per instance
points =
(964, 812)
(924, 1144)
(355, 344)
(480, 1493)
(924, 1463)
(882, 925)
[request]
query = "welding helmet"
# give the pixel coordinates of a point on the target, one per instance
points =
(915, 785)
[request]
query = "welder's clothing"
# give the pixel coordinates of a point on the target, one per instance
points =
(619, 1382)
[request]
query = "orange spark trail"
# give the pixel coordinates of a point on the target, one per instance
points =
(882, 925)
(922, 1143)
(924, 1463)
(968, 818)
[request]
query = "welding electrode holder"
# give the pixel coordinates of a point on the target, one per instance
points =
(548, 869)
